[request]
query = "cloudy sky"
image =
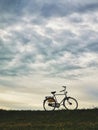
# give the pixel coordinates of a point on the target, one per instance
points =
(45, 44)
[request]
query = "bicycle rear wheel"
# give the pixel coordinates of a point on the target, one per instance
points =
(70, 103)
(49, 104)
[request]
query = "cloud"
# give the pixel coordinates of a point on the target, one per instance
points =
(66, 8)
(45, 9)
(36, 51)
(93, 46)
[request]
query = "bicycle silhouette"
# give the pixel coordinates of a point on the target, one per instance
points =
(50, 102)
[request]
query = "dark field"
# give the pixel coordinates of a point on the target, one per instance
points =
(55, 120)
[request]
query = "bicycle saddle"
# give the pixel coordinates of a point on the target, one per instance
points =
(53, 92)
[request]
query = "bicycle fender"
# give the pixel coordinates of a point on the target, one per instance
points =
(48, 97)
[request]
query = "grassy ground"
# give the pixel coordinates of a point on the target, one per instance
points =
(55, 120)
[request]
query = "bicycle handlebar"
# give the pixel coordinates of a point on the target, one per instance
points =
(64, 88)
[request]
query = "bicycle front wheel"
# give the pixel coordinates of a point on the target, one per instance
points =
(70, 103)
(49, 104)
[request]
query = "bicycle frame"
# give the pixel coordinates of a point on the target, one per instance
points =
(65, 97)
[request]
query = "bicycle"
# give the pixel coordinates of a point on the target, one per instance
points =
(50, 102)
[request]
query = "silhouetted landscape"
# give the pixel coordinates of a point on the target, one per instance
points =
(85, 119)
